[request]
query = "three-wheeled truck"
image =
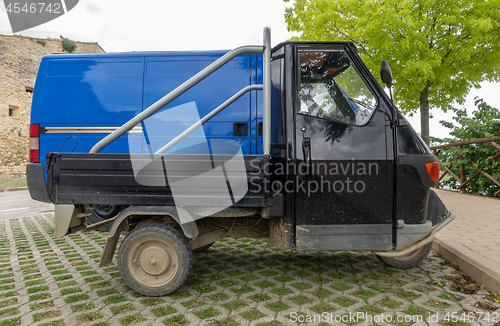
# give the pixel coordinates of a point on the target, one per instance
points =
(296, 143)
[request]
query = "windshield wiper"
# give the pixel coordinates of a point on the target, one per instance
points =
(366, 105)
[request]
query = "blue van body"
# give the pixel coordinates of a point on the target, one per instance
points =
(80, 98)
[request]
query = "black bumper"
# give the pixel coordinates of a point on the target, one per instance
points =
(36, 182)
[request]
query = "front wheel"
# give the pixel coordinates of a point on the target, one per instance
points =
(409, 260)
(155, 259)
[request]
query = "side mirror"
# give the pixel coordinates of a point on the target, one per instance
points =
(386, 73)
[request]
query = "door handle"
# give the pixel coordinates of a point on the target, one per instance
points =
(240, 129)
(306, 150)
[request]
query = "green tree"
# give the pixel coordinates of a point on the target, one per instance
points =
(481, 124)
(438, 49)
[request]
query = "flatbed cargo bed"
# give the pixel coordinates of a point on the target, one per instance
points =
(157, 180)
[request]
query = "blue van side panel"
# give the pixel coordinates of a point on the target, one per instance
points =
(86, 91)
(91, 92)
(163, 74)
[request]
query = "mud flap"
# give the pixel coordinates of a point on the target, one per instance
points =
(63, 215)
(110, 246)
(66, 217)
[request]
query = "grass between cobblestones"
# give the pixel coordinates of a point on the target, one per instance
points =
(48, 281)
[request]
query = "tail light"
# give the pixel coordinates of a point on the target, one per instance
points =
(433, 171)
(34, 142)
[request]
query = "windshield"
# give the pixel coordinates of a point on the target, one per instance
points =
(331, 88)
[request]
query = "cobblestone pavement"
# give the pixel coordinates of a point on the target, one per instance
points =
(48, 281)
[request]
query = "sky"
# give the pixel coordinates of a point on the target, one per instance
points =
(147, 25)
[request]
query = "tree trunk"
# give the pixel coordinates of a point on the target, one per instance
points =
(424, 113)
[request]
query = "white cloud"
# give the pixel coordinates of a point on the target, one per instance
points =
(92, 6)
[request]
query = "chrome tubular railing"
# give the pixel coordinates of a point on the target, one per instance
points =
(155, 107)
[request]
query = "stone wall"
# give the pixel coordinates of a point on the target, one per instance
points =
(19, 60)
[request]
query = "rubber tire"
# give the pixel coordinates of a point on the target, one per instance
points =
(94, 216)
(203, 248)
(410, 260)
(168, 235)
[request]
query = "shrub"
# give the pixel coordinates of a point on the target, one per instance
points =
(68, 45)
(481, 124)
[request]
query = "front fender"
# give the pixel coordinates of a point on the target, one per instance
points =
(436, 211)
(180, 215)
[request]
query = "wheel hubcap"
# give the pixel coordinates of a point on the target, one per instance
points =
(153, 263)
(154, 260)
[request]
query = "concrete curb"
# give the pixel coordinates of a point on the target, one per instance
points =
(480, 269)
(13, 189)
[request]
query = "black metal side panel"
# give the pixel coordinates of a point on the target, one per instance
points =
(412, 196)
(116, 179)
(413, 181)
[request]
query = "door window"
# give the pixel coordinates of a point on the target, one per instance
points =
(330, 88)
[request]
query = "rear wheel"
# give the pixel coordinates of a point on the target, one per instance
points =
(155, 259)
(409, 260)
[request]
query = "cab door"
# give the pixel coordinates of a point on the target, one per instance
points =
(342, 188)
